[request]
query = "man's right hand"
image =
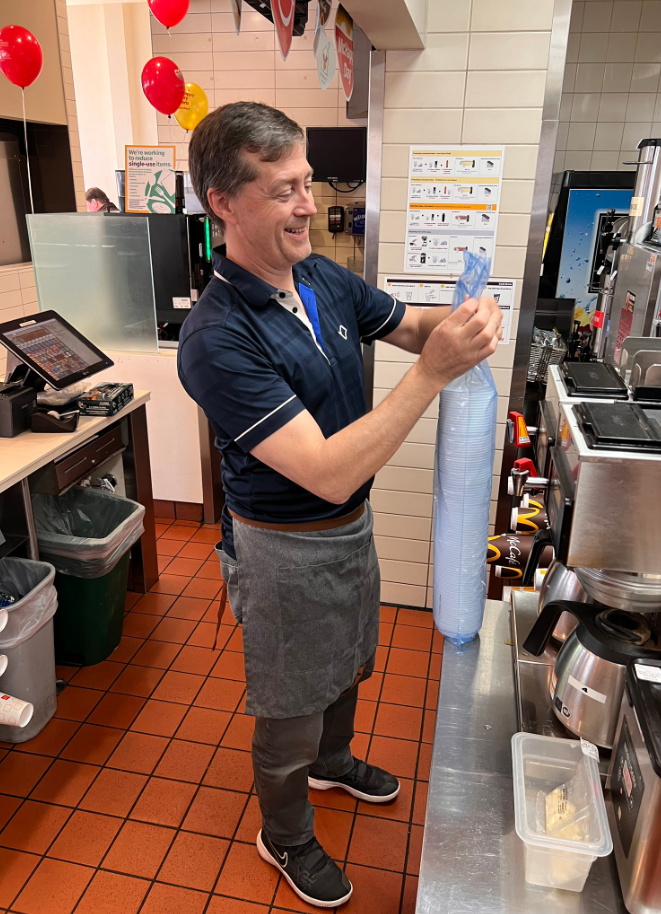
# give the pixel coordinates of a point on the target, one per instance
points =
(463, 340)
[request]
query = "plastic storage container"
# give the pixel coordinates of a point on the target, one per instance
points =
(87, 536)
(27, 642)
(541, 765)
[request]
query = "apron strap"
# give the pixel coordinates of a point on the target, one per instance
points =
(221, 612)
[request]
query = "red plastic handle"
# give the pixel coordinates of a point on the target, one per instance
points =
(525, 463)
(521, 435)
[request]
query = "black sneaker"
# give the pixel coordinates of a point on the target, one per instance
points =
(374, 785)
(309, 870)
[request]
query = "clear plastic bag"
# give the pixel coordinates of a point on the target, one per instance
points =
(85, 532)
(31, 585)
(565, 811)
(465, 448)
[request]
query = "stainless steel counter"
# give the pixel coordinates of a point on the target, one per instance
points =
(472, 859)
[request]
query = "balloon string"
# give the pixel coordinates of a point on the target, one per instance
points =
(27, 153)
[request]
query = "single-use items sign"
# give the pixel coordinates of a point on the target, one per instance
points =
(150, 179)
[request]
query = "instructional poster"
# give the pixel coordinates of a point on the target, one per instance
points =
(430, 292)
(453, 205)
(150, 179)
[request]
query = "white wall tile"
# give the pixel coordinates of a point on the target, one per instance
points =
(608, 136)
(442, 52)
(398, 525)
(392, 226)
(605, 161)
(585, 106)
(195, 43)
(502, 15)
(406, 503)
(405, 479)
(403, 594)
(395, 161)
(645, 77)
(404, 550)
(516, 196)
(403, 572)
(414, 455)
(520, 161)
(597, 16)
(566, 103)
(393, 193)
(246, 41)
(626, 15)
(502, 125)
(576, 22)
(508, 50)
(448, 16)
(569, 80)
(617, 77)
(594, 47)
(578, 161)
(233, 62)
(511, 89)
(508, 262)
(513, 229)
(424, 90)
(651, 18)
(648, 47)
(9, 282)
(589, 77)
(581, 135)
(634, 133)
(10, 299)
(640, 106)
(621, 47)
(563, 134)
(423, 125)
(613, 107)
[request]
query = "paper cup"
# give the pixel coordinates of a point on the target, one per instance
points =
(4, 618)
(3, 663)
(14, 712)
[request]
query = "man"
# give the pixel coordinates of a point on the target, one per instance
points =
(96, 201)
(272, 353)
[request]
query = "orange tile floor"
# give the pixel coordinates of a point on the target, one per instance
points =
(138, 796)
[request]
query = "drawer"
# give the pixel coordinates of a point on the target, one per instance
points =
(60, 475)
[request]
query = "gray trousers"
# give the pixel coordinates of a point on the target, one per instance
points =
(285, 750)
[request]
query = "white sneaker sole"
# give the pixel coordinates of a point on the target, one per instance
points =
(316, 784)
(266, 856)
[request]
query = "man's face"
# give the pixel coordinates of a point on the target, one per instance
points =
(93, 206)
(271, 215)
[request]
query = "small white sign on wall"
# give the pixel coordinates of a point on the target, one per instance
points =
(429, 292)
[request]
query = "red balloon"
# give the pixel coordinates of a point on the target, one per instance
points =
(163, 84)
(21, 58)
(169, 12)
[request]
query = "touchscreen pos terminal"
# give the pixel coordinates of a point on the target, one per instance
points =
(50, 351)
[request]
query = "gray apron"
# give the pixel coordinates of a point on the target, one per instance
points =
(309, 606)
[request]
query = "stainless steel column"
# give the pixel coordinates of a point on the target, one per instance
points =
(646, 192)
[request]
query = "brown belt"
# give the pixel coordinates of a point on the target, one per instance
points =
(312, 526)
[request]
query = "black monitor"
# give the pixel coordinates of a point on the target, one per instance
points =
(338, 153)
(53, 349)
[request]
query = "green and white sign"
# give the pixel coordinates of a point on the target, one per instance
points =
(150, 179)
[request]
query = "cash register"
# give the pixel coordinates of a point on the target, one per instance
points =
(46, 349)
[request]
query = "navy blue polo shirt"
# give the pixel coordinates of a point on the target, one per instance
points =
(252, 365)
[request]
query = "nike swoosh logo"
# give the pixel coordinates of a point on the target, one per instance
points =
(282, 860)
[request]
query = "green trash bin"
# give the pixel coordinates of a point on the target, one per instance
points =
(87, 534)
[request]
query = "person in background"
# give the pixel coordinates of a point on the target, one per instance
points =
(96, 201)
(272, 354)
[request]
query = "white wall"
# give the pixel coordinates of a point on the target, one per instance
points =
(110, 44)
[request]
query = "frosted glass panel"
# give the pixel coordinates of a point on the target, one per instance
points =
(96, 272)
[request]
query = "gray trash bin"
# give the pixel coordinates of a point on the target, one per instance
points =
(27, 641)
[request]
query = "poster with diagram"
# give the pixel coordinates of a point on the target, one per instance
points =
(430, 292)
(452, 206)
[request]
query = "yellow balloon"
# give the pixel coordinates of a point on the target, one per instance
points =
(194, 107)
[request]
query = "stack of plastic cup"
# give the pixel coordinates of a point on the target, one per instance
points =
(464, 466)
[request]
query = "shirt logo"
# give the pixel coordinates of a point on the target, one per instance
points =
(343, 332)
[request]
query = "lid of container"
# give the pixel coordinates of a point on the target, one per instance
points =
(618, 426)
(616, 635)
(637, 591)
(594, 379)
(644, 688)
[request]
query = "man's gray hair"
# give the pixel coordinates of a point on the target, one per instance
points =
(215, 155)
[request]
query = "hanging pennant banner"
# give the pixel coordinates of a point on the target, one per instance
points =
(283, 17)
(236, 10)
(323, 15)
(325, 55)
(344, 45)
